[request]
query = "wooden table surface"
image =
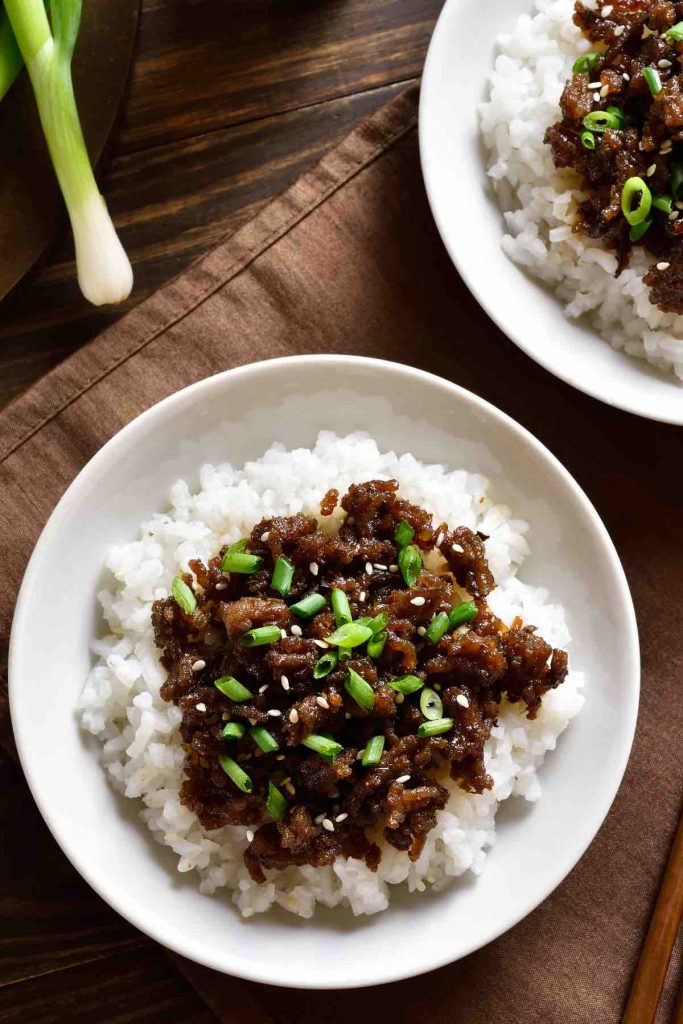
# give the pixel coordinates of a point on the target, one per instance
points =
(229, 101)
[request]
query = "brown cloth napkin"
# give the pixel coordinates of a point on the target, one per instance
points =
(348, 260)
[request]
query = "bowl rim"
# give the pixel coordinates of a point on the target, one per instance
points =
(450, 240)
(259, 971)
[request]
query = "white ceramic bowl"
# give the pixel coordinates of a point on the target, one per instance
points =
(236, 416)
(460, 57)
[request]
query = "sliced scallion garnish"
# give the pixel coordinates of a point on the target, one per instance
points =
(601, 120)
(406, 684)
(462, 613)
(675, 32)
(410, 564)
(636, 232)
(327, 748)
(403, 534)
(233, 731)
(183, 596)
(324, 665)
(241, 562)
(239, 545)
(340, 607)
(359, 690)
(309, 606)
(264, 739)
(373, 751)
(636, 200)
(283, 574)
(435, 728)
(654, 82)
(663, 203)
(436, 628)
(237, 774)
(587, 140)
(276, 804)
(232, 688)
(376, 644)
(587, 62)
(431, 704)
(351, 634)
(260, 636)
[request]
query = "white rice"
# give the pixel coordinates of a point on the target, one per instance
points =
(142, 752)
(539, 202)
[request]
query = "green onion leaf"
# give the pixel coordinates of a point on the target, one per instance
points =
(264, 739)
(638, 230)
(351, 634)
(406, 684)
(676, 32)
(260, 636)
(436, 628)
(379, 622)
(328, 748)
(309, 606)
(183, 596)
(636, 200)
(232, 688)
(601, 120)
(410, 564)
(233, 731)
(237, 774)
(241, 562)
(373, 751)
(283, 574)
(403, 534)
(437, 727)
(663, 203)
(276, 804)
(359, 690)
(586, 63)
(239, 545)
(587, 140)
(324, 666)
(340, 607)
(431, 704)
(462, 613)
(654, 82)
(376, 644)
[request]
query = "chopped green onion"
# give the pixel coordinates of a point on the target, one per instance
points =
(587, 140)
(587, 62)
(676, 179)
(654, 82)
(376, 644)
(183, 596)
(601, 120)
(309, 606)
(410, 564)
(283, 574)
(462, 613)
(359, 690)
(276, 804)
(239, 545)
(638, 230)
(676, 32)
(264, 739)
(241, 562)
(233, 731)
(260, 636)
(635, 189)
(431, 704)
(232, 688)
(403, 534)
(351, 634)
(406, 684)
(328, 748)
(437, 727)
(237, 774)
(373, 751)
(340, 607)
(380, 622)
(436, 628)
(324, 666)
(663, 203)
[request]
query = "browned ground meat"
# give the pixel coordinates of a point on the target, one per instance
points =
(629, 36)
(339, 806)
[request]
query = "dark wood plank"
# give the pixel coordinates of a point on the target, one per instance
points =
(52, 919)
(130, 989)
(204, 65)
(171, 204)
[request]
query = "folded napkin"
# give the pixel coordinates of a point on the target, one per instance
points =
(348, 260)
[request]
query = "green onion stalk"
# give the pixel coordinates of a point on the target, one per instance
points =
(10, 58)
(104, 271)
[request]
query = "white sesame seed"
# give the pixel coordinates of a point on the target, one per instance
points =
(327, 824)
(596, 97)
(663, 266)
(262, 689)
(651, 170)
(341, 817)
(393, 568)
(221, 586)
(294, 716)
(417, 601)
(666, 146)
(296, 630)
(458, 548)
(368, 568)
(200, 707)
(399, 698)
(604, 91)
(361, 596)
(322, 703)
(403, 778)
(265, 536)
(285, 682)
(250, 836)
(313, 568)
(606, 11)
(679, 206)
(462, 700)
(199, 665)
(319, 819)
(430, 879)
(226, 574)
(225, 716)
(279, 757)
(347, 714)
(290, 788)
(421, 630)
(595, 85)
(283, 634)
(619, 30)
(626, 76)
(663, 63)
(274, 713)
(359, 755)
(439, 536)
(380, 566)
(321, 644)
(673, 215)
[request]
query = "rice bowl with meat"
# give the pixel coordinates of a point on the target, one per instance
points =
(143, 750)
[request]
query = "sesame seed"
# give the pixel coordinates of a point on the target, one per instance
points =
(226, 574)
(199, 665)
(221, 586)
(417, 601)
(250, 836)
(619, 30)
(393, 568)
(322, 703)
(262, 689)
(287, 779)
(341, 817)
(327, 824)
(673, 215)
(462, 700)
(626, 76)
(321, 643)
(666, 146)
(319, 819)
(347, 714)
(283, 634)
(606, 11)
(679, 206)
(596, 97)
(294, 716)
(663, 63)
(279, 757)
(200, 707)
(458, 548)
(604, 91)
(274, 713)
(296, 630)
(380, 565)
(359, 755)
(663, 266)
(651, 170)
(403, 778)
(399, 698)
(290, 788)
(226, 716)
(361, 596)
(285, 682)
(439, 536)
(430, 879)
(368, 568)
(265, 536)
(421, 630)
(313, 568)
(595, 85)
